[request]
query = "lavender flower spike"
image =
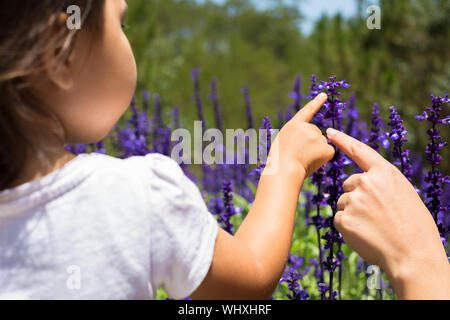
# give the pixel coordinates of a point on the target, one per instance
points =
(197, 96)
(266, 125)
(318, 179)
(296, 291)
(215, 100)
(435, 178)
(146, 98)
(398, 137)
(229, 208)
(248, 106)
(314, 89)
(377, 124)
(334, 108)
(296, 94)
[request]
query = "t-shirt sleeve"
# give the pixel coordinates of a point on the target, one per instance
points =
(183, 233)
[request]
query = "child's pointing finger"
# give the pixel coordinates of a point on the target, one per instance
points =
(309, 111)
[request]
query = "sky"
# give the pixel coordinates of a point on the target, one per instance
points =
(314, 9)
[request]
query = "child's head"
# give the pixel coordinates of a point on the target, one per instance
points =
(59, 85)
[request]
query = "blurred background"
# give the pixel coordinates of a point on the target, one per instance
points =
(267, 43)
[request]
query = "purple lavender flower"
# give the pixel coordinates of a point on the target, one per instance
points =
(175, 115)
(292, 275)
(296, 94)
(132, 144)
(215, 100)
(161, 132)
(133, 121)
(157, 115)
(324, 288)
(99, 147)
(317, 268)
(210, 180)
(355, 128)
(359, 265)
(146, 99)
(398, 137)
(248, 106)
(133, 138)
(215, 205)
(266, 125)
(76, 149)
(434, 177)
(377, 125)
(289, 113)
(296, 291)
(133, 102)
(295, 262)
(334, 109)
(353, 116)
(319, 179)
(197, 96)
(331, 263)
(229, 208)
(314, 89)
(280, 119)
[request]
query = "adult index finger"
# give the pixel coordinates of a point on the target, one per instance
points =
(309, 111)
(364, 156)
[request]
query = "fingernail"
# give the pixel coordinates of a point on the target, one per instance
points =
(323, 95)
(331, 132)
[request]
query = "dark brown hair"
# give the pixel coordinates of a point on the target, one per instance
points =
(29, 30)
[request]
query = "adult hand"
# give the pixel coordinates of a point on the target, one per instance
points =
(382, 217)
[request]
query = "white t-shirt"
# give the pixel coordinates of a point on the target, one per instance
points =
(105, 228)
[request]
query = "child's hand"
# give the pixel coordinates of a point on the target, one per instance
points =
(303, 143)
(382, 217)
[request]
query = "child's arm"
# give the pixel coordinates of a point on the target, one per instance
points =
(382, 217)
(250, 264)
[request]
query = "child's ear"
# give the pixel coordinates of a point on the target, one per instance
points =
(59, 72)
